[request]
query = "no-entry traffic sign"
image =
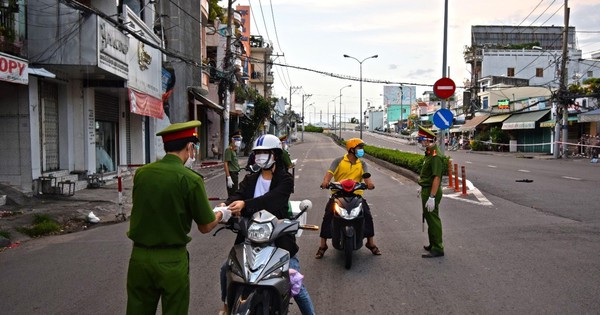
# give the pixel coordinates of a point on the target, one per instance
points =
(444, 88)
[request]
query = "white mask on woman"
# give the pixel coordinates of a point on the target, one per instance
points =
(264, 160)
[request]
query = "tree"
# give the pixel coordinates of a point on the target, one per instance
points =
(262, 111)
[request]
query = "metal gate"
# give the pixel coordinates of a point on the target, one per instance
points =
(106, 129)
(49, 126)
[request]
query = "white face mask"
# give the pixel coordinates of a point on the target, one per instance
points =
(264, 160)
(421, 146)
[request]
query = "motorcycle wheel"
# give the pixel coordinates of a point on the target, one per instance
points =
(348, 248)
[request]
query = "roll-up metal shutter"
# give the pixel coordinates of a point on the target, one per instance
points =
(107, 107)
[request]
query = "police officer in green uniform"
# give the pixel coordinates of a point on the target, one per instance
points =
(231, 164)
(430, 191)
(287, 160)
(167, 197)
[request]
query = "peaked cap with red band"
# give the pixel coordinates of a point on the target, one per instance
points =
(424, 132)
(180, 131)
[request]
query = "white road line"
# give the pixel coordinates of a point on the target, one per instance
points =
(469, 162)
(492, 166)
(471, 189)
(524, 171)
(569, 177)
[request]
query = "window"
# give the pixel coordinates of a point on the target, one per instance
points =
(510, 72)
(590, 74)
(539, 72)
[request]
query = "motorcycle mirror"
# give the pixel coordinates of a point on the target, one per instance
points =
(253, 168)
(366, 175)
(305, 205)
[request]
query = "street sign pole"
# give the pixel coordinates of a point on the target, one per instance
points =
(444, 64)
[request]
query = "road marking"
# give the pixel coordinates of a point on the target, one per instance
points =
(524, 171)
(471, 189)
(569, 177)
(492, 166)
(469, 162)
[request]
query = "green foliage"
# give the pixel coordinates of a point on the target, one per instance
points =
(42, 225)
(407, 160)
(215, 12)
(311, 128)
(5, 234)
(262, 111)
(497, 135)
(40, 218)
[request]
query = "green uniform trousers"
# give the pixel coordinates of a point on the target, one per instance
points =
(158, 274)
(434, 223)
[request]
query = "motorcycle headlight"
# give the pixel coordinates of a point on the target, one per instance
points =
(349, 216)
(260, 232)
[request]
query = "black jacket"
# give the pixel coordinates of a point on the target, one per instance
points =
(276, 201)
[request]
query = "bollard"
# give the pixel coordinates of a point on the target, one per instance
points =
(456, 178)
(464, 181)
(449, 173)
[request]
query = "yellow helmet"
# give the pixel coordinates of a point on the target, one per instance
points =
(353, 143)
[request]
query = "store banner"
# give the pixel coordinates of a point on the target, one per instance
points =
(13, 69)
(146, 105)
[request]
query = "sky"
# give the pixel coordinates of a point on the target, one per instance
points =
(313, 35)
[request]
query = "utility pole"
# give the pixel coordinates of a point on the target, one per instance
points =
(228, 76)
(563, 83)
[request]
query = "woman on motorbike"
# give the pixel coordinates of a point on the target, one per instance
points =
(269, 189)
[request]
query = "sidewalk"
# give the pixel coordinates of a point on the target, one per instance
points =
(72, 211)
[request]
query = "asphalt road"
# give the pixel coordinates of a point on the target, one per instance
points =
(502, 257)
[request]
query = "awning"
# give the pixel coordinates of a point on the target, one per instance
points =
(524, 120)
(41, 72)
(473, 122)
(496, 119)
(590, 116)
(551, 123)
(198, 95)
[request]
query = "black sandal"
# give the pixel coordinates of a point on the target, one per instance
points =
(374, 250)
(321, 252)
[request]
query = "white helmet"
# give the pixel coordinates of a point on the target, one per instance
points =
(270, 143)
(267, 142)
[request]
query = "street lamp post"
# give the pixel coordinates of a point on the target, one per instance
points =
(304, 97)
(311, 121)
(360, 62)
(340, 120)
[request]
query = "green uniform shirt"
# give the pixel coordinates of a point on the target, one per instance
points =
(433, 165)
(231, 159)
(167, 196)
(285, 156)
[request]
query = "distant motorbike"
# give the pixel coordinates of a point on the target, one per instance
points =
(348, 218)
(258, 279)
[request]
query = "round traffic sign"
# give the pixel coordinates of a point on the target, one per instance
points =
(443, 118)
(444, 88)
